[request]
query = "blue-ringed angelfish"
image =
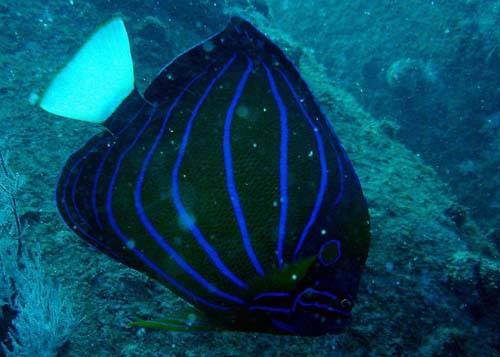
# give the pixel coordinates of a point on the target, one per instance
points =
(223, 181)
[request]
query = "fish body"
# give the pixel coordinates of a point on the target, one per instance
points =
(225, 182)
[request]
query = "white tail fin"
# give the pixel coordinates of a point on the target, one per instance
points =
(96, 80)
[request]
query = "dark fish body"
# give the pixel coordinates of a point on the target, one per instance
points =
(226, 183)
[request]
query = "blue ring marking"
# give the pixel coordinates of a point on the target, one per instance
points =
(149, 225)
(283, 165)
(228, 161)
(320, 253)
(324, 169)
(184, 216)
(126, 241)
(97, 175)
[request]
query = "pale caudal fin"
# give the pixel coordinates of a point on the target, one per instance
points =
(96, 80)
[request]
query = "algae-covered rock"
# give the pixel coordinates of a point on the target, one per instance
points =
(444, 342)
(476, 280)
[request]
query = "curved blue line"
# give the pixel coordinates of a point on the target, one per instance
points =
(324, 169)
(340, 166)
(272, 295)
(123, 237)
(75, 225)
(183, 214)
(280, 310)
(228, 160)
(97, 175)
(327, 294)
(284, 326)
(341, 181)
(73, 196)
(93, 197)
(326, 307)
(322, 249)
(97, 241)
(149, 225)
(339, 162)
(283, 165)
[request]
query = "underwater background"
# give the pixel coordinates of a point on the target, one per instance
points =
(412, 89)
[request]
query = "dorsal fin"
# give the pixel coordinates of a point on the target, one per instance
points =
(239, 36)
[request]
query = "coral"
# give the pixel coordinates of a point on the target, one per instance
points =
(444, 342)
(36, 316)
(45, 317)
(476, 280)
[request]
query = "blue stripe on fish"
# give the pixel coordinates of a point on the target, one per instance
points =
(130, 242)
(228, 160)
(280, 310)
(77, 225)
(283, 166)
(161, 241)
(341, 180)
(82, 219)
(184, 215)
(100, 167)
(322, 159)
(310, 294)
(284, 327)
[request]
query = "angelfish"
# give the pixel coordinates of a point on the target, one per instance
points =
(224, 181)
